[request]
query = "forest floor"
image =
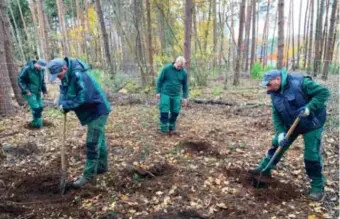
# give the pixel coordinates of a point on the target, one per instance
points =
(199, 173)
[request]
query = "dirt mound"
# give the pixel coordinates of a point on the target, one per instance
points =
(198, 147)
(158, 169)
(22, 150)
(270, 189)
(46, 123)
(188, 214)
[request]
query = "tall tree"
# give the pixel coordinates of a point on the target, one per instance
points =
(61, 15)
(11, 65)
(42, 29)
(310, 47)
(236, 80)
(298, 45)
(280, 48)
(246, 40)
(187, 33)
(6, 106)
(253, 36)
(318, 41)
(305, 34)
(104, 37)
(214, 32)
(330, 42)
(148, 11)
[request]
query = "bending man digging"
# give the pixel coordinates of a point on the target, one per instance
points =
(292, 96)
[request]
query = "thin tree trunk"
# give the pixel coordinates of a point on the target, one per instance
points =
(280, 34)
(324, 35)
(305, 37)
(187, 33)
(34, 12)
(148, 11)
(330, 41)
(43, 29)
(62, 24)
(104, 37)
(298, 45)
(23, 21)
(292, 29)
(214, 32)
(246, 41)
(236, 80)
(265, 37)
(310, 49)
(252, 58)
(318, 32)
(207, 29)
(17, 32)
(11, 65)
(275, 24)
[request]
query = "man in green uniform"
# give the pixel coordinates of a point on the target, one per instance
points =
(294, 95)
(171, 81)
(32, 83)
(80, 93)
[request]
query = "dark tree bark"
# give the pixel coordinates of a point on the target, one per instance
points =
(6, 106)
(280, 34)
(236, 80)
(252, 59)
(330, 42)
(105, 38)
(187, 34)
(148, 11)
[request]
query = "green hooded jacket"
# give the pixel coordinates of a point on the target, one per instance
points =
(32, 80)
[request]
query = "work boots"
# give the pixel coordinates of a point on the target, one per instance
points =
(80, 182)
(316, 196)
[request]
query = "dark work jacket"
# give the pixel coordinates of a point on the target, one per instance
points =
(288, 102)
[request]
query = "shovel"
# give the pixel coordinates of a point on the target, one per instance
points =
(63, 166)
(289, 133)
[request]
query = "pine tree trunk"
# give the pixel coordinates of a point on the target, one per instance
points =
(330, 42)
(280, 34)
(310, 49)
(298, 45)
(292, 29)
(187, 33)
(17, 33)
(246, 41)
(62, 24)
(252, 59)
(6, 106)
(104, 37)
(43, 37)
(236, 80)
(318, 32)
(214, 32)
(32, 6)
(11, 65)
(305, 35)
(151, 69)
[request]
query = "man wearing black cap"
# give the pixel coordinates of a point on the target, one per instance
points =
(292, 96)
(32, 83)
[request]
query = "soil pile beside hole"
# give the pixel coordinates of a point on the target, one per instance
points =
(39, 187)
(270, 189)
(188, 214)
(198, 147)
(22, 150)
(158, 169)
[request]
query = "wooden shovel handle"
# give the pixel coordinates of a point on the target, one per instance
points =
(63, 167)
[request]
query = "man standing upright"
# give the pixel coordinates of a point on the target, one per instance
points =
(172, 81)
(294, 95)
(32, 83)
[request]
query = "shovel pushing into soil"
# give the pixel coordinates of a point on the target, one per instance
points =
(290, 131)
(63, 166)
